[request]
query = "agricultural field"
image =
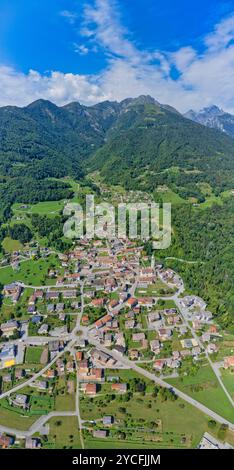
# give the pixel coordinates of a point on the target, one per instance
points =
(204, 387)
(49, 208)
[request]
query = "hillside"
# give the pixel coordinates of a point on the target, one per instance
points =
(43, 141)
(148, 141)
(139, 143)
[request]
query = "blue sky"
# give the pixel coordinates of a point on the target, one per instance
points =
(180, 52)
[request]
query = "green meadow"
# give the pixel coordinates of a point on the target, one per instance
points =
(205, 388)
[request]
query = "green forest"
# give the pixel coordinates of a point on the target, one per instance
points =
(205, 236)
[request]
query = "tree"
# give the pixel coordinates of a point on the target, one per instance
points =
(212, 423)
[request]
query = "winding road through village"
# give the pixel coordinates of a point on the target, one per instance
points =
(89, 334)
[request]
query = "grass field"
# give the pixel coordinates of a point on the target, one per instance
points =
(33, 354)
(65, 402)
(205, 388)
(212, 199)
(31, 272)
(110, 443)
(48, 208)
(228, 380)
(226, 347)
(178, 419)
(164, 304)
(41, 403)
(170, 196)
(15, 420)
(154, 290)
(64, 433)
(11, 245)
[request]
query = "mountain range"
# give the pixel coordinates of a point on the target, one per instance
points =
(213, 117)
(138, 143)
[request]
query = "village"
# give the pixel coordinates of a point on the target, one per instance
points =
(106, 310)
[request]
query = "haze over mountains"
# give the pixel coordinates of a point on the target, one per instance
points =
(213, 117)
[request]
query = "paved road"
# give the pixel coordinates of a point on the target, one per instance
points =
(184, 314)
(38, 374)
(78, 407)
(122, 360)
(20, 261)
(184, 260)
(37, 425)
(162, 383)
(49, 286)
(77, 375)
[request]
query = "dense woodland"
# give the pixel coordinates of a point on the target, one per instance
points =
(29, 190)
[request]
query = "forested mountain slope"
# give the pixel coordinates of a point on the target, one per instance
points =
(147, 139)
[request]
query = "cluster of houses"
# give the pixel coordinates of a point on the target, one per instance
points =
(195, 309)
(91, 371)
(169, 277)
(46, 382)
(161, 319)
(116, 279)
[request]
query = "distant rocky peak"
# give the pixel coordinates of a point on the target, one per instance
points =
(212, 110)
(213, 116)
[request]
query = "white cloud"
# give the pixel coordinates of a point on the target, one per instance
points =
(81, 49)
(69, 15)
(102, 23)
(222, 35)
(203, 78)
(20, 89)
(183, 58)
